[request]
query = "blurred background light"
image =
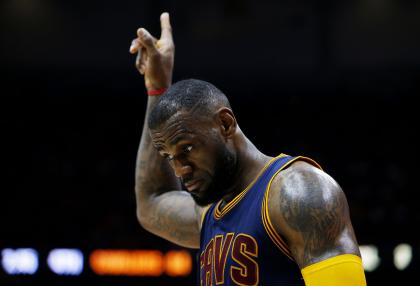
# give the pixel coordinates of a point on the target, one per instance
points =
(19, 261)
(370, 257)
(141, 262)
(127, 262)
(65, 261)
(178, 263)
(403, 254)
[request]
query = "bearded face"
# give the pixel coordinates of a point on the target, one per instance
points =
(198, 155)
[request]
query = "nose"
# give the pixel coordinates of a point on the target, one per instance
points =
(181, 169)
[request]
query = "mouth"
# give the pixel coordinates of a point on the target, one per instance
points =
(193, 185)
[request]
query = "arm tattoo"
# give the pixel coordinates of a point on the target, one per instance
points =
(174, 218)
(315, 208)
(161, 210)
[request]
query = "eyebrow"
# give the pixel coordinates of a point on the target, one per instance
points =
(178, 138)
(158, 147)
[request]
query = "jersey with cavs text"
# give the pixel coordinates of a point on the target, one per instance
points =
(239, 245)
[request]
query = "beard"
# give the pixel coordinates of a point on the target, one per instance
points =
(221, 180)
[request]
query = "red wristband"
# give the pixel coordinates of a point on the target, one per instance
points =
(155, 92)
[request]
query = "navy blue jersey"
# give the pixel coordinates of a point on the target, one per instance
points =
(239, 245)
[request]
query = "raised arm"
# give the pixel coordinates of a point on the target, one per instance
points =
(162, 207)
(310, 210)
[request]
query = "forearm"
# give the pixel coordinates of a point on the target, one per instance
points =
(153, 173)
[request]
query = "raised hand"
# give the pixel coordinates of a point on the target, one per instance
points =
(155, 58)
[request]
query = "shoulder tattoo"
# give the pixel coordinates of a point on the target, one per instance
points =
(315, 208)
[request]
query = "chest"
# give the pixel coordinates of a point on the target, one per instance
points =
(231, 246)
(230, 256)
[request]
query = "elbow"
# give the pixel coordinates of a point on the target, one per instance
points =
(141, 206)
(145, 208)
(142, 218)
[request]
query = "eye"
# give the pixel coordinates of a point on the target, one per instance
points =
(187, 148)
(167, 156)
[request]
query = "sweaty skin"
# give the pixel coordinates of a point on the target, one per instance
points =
(306, 205)
(310, 210)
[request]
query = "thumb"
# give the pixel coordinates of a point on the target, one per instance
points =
(146, 40)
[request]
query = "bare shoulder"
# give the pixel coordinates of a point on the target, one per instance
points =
(310, 210)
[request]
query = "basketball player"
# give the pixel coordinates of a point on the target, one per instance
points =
(201, 183)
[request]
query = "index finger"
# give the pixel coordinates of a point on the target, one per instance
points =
(165, 25)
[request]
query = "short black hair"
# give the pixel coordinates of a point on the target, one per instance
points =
(187, 95)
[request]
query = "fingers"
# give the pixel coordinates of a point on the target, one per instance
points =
(146, 40)
(135, 46)
(138, 61)
(141, 60)
(146, 46)
(165, 25)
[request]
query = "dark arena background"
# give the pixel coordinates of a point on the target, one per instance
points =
(337, 81)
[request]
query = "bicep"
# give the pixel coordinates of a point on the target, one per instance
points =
(315, 216)
(176, 217)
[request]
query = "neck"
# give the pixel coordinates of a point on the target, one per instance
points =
(249, 162)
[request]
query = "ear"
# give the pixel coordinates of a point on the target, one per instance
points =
(226, 121)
